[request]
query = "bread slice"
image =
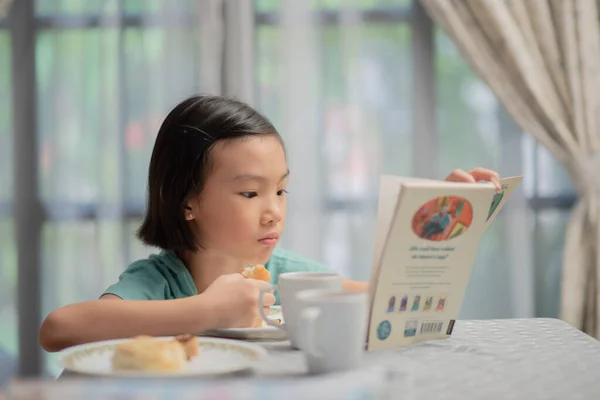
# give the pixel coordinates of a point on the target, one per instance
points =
(145, 353)
(189, 344)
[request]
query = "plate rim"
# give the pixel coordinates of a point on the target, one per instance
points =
(265, 330)
(258, 350)
(268, 333)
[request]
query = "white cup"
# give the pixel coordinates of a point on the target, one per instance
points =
(290, 283)
(335, 329)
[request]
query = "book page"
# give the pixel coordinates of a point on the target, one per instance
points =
(389, 191)
(508, 187)
(426, 261)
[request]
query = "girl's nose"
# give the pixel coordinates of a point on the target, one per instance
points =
(272, 215)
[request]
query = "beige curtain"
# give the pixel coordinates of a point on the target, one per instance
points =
(542, 60)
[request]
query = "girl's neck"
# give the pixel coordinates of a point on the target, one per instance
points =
(206, 266)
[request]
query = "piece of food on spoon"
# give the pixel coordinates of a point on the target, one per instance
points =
(258, 272)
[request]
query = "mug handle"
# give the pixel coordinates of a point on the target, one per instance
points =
(261, 311)
(309, 316)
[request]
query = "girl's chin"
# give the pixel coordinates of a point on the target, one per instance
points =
(262, 256)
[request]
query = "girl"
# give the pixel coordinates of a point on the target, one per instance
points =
(216, 203)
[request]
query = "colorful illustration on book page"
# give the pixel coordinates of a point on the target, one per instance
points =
(416, 303)
(428, 303)
(496, 200)
(391, 304)
(403, 303)
(443, 218)
(441, 304)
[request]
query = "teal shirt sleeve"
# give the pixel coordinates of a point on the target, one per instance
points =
(160, 277)
(140, 281)
(283, 261)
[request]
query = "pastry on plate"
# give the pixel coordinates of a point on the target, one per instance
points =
(145, 353)
(258, 272)
(189, 344)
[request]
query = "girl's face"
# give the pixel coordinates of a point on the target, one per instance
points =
(241, 210)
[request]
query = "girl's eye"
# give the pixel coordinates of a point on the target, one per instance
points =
(249, 195)
(281, 192)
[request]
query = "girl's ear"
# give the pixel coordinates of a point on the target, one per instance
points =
(192, 208)
(189, 215)
(188, 212)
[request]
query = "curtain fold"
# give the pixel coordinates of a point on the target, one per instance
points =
(542, 60)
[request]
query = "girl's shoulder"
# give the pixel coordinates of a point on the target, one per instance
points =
(159, 277)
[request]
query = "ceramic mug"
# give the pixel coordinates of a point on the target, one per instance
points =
(335, 329)
(290, 283)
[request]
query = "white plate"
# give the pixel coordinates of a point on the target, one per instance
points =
(215, 357)
(265, 333)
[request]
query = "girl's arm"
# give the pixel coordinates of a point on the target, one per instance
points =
(355, 286)
(231, 301)
(113, 318)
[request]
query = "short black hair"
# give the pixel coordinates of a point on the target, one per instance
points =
(180, 162)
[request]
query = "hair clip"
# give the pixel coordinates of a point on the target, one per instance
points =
(197, 133)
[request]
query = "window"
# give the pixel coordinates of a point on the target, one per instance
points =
(107, 71)
(377, 51)
(97, 119)
(8, 256)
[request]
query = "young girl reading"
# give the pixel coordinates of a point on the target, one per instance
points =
(216, 203)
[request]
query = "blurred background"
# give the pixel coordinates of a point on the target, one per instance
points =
(357, 88)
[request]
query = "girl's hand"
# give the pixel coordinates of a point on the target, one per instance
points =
(475, 175)
(234, 300)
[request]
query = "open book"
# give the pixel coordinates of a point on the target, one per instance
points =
(427, 237)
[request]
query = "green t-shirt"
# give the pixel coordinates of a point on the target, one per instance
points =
(164, 276)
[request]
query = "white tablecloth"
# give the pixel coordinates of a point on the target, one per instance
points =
(488, 359)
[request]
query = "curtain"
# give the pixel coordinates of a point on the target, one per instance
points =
(542, 60)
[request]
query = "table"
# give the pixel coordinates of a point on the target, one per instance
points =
(484, 359)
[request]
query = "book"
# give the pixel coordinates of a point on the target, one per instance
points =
(427, 237)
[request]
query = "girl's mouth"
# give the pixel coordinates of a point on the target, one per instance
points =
(270, 239)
